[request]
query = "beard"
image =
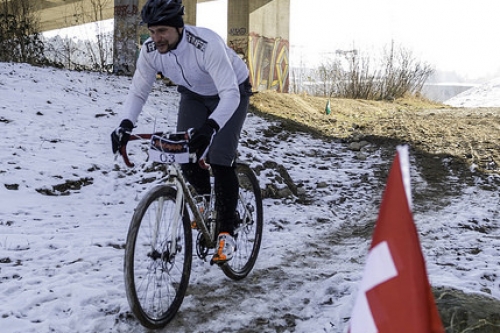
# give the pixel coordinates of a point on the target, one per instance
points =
(163, 47)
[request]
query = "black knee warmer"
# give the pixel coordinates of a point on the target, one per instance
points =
(198, 177)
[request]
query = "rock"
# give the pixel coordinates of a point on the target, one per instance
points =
(322, 185)
(12, 187)
(471, 313)
(358, 145)
(355, 146)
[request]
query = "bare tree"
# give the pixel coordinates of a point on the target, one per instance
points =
(19, 32)
(360, 78)
(352, 74)
(404, 74)
(325, 77)
(100, 50)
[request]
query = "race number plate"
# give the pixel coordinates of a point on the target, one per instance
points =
(169, 150)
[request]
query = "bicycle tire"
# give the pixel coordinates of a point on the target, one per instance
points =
(249, 237)
(155, 279)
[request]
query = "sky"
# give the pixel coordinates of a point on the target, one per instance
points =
(66, 203)
(453, 35)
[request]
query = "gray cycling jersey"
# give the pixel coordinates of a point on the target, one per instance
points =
(202, 63)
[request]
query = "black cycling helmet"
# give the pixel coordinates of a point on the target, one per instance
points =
(163, 12)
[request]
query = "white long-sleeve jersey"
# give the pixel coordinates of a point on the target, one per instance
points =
(202, 63)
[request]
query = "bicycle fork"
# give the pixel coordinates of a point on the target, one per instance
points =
(171, 245)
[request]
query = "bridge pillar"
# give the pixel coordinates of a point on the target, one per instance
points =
(126, 23)
(190, 11)
(259, 30)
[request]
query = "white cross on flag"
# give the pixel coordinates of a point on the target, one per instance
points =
(395, 295)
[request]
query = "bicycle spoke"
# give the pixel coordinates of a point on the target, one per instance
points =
(248, 234)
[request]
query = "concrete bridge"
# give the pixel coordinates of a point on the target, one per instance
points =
(257, 29)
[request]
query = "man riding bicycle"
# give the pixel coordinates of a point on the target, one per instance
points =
(215, 90)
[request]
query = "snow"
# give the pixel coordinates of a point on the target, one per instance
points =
(61, 255)
(485, 95)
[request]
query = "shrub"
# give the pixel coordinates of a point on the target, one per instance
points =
(352, 74)
(20, 40)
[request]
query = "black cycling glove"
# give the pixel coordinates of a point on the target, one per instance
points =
(121, 135)
(201, 138)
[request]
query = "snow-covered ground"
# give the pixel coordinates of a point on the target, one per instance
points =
(65, 208)
(485, 95)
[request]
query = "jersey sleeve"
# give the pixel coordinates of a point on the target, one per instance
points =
(218, 64)
(142, 83)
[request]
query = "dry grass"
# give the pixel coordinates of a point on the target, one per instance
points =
(470, 134)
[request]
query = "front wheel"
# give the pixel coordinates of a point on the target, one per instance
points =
(248, 234)
(158, 256)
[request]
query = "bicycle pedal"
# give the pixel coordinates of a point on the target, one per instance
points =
(218, 263)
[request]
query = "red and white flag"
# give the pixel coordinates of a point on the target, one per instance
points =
(395, 295)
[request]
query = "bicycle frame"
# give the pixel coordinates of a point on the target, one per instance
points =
(184, 196)
(175, 178)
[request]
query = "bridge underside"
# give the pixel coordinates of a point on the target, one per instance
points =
(257, 29)
(59, 14)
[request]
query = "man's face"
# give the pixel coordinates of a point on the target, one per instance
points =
(164, 37)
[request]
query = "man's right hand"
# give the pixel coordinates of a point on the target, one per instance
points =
(121, 135)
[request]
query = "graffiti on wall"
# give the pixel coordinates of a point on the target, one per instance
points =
(268, 61)
(126, 10)
(237, 32)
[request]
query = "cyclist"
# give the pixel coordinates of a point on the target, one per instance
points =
(214, 97)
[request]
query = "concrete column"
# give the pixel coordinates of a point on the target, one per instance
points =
(190, 11)
(269, 45)
(125, 44)
(238, 26)
(259, 30)
(271, 17)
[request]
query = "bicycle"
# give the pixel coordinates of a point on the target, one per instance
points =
(159, 246)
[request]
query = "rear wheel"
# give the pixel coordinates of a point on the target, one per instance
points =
(158, 256)
(248, 234)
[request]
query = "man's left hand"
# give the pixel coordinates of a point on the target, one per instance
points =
(201, 138)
